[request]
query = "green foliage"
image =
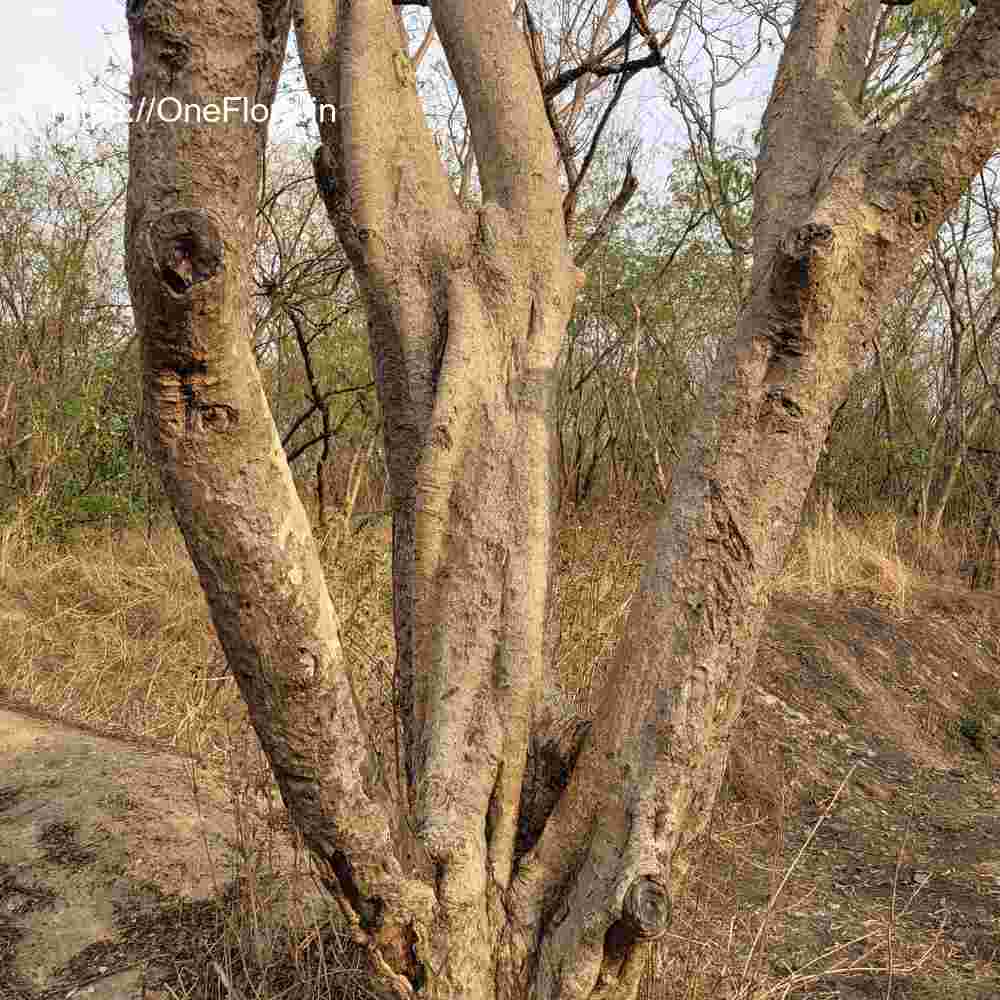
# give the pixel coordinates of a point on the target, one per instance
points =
(662, 294)
(69, 361)
(971, 730)
(628, 383)
(929, 18)
(68, 371)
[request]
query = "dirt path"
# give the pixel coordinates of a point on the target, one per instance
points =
(912, 705)
(105, 845)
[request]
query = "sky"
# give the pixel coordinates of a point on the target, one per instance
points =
(47, 51)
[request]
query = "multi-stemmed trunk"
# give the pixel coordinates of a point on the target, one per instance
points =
(471, 881)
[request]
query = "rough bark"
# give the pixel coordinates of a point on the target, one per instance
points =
(466, 310)
(841, 212)
(454, 897)
(191, 203)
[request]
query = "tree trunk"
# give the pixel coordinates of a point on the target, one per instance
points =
(191, 205)
(485, 879)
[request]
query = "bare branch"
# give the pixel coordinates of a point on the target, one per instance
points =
(569, 201)
(662, 483)
(535, 48)
(418, 57)
(596, 67)
(918, 167)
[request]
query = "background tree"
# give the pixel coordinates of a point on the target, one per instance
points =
(66, 409)
(918, 432)
(309, 335)
(438, 871)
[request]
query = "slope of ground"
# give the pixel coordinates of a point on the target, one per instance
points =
(906, 861)
(113, 857)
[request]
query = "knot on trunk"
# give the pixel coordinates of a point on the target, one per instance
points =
(794, 288)
(185, 247)
(646, 915)
(647, 911)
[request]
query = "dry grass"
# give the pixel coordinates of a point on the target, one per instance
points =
(704, 957)
(599, 560)
(272, 934)
(882, 555)
(115, 633)
(833, 554)
(112, 630)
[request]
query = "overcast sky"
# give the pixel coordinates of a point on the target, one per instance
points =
(47, 50)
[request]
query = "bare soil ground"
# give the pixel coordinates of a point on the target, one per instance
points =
(115, 857)
(908, 859)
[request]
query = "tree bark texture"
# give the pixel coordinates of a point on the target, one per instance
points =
(515, 861)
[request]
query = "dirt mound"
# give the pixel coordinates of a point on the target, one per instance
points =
(907, 863)
(111, 855)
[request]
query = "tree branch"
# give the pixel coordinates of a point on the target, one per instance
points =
(535, 49)
(612, 214)
(949, 130)
(814, 109)
(569, 201)
(651, 765)
(596, 67)
(503, 102)
(376, 148)
(192, 198)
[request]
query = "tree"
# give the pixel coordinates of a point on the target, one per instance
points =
(471, 876)
(66, 391)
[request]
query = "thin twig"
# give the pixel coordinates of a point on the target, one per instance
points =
(662, 486)
(791, 868)
(234, 993)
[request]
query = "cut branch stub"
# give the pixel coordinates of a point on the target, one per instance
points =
(646, 915)
(647, 911)
(185, 247)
